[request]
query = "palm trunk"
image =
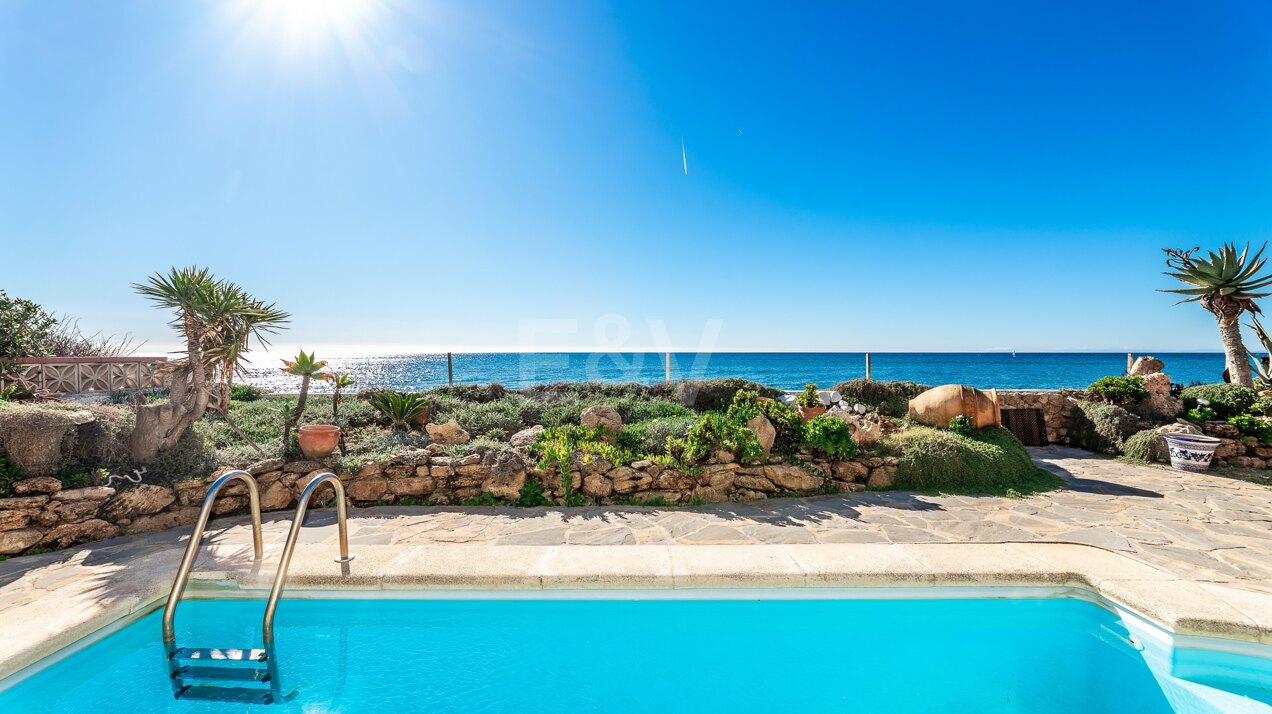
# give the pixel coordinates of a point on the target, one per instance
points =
(296, 413)
(1235, 351)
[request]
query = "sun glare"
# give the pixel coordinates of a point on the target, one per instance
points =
(298, 29)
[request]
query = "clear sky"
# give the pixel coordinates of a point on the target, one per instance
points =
(467, 175)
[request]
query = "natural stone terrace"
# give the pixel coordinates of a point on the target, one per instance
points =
(1194, 551)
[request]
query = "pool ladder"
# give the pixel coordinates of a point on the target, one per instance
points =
(248, 675)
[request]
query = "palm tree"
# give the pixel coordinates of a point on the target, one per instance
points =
(209, 314)
(338, 382)
(306, 367)
(1227, 284)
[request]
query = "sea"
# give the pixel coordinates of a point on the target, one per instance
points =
(783, 370)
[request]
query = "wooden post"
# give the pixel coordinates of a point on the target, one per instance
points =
(867, 365)
(450, 370)
(1130, 362)
(668, 367)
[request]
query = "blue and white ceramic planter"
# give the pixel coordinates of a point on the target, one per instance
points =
(1191, 452)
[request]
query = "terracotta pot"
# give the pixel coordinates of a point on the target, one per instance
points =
(937, 406)
(807, 413)
(318, 440)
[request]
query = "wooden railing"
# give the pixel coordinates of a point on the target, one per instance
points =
(72, 375)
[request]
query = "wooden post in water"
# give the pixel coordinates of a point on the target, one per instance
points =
(867, 365)
(1130, 362)
(668, 367)
(450, 370)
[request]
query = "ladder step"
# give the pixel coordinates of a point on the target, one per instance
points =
(227, 694)
(231, 673)
(224, 656)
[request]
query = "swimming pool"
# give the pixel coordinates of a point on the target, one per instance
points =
(628, 651)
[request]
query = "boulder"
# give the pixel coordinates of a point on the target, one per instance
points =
(143, 500)
(526, 437)
(72, 533)
(13, 542)
(39, 484)
(882, 477)
(1145, 365)
(367, 488)
(415, 486)
(448, 434)
(602, 416)
(13, 520)
(1180, 427)
(792, 478)
(597, 486)
(850, 471)
(90, 493)
(261, 467)
(277, 496)
(507, 476)
(763, 430)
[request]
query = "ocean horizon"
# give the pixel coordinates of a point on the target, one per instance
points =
(783, 370)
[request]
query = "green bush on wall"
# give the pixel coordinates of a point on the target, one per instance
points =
(1226, 399)
(830, 437)
(1101, 427)
(1118, 390)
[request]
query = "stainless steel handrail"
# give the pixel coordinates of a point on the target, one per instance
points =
(280, 579)
(192, 549)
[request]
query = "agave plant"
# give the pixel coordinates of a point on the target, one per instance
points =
(307, 367)
(1262, 366)
(1226, 283)
(401, 408)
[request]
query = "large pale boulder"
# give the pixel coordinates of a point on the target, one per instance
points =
(602, 416)
(1159, 404)
(792, 478)
(526, 437)
(1146, 365)
(448, 434)
(13, 542)
(763, 430)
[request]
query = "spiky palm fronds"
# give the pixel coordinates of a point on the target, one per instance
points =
(1261, 365)
(1223, 274)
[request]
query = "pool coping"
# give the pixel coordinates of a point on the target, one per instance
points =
(1188, 610)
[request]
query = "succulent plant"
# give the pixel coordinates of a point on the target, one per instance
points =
(400, 407)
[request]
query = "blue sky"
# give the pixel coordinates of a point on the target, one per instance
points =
(509, 175)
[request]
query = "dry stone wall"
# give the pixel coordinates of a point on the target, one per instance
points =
(1055, 405)
(42, 515)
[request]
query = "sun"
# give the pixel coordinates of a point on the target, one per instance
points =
(301, 29)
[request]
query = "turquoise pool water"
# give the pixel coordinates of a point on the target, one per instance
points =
(697, 655)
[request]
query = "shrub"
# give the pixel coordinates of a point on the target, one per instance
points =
(8, 474)
(786, 422)
(400, 407)
(651, 436)
(830, 437)
(715, 431)
(1200, 415)
(480, 393)
(963, 425)
(1101, 427)
(891, 398)
(1226, 399)
(1145, 447)
(245, 393)
(1262, 405)
(991, 461)
(1252, 426)
(190, 457)
(809, 398)
(510, 414)
(714, 394)
(1118, 390)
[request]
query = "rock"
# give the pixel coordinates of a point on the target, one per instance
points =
(368, 488)
(448, 434)
(867, 432)
(22, 503)
(303, 467)
(74, 511)
(72, 533)
(597, 486)
(163, 521)
(1146, 365)
(860, 408)
(526, 437)
(142, 500)
(373, 469)
(763, 430)
(1180, 427)
(1157, 383)
(277, 496)
(261, 467)
(792, 478)
(39, 484)
(91, 493)
(850, 471)
(723, 457)
(414, 486)
(13, 520)
(882, 477)
(628, 480)
(754, 483)
(602, 416)
(507, 476)
(14, 542)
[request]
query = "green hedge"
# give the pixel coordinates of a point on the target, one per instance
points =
(1225, 399)
(991, 461)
